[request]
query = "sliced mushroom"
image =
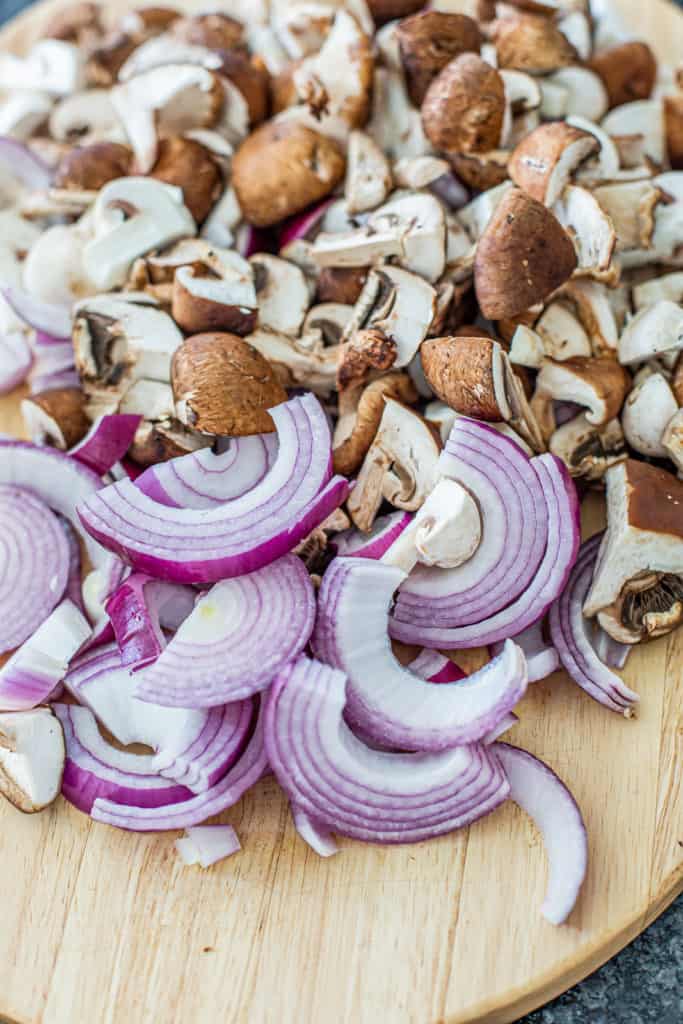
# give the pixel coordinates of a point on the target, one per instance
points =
(637, 590)
(395, 124)
(421, 221)
(166, 48)
(223, 386)
(600, 384)
(445, 532)
(55, 269)
(654, 330)
(56, 417)
(216, 30)
(159, 442)
(151, 399)
(132, 216)
(51, 65)
(282, 293)
(464, 108)
(476, 215)
(401, 466)
(529, 42)
(631, 208)
(365, 351)
(573, 91)
(330, 319)
(368, 175)
(647, 412)
(561, 332)
(591, 230)
(23, 113)
(32, 757)
(672, 440)
(545, 160)
(594, 310)
(341, 284)
(605, 165)
(221, 297)
(642, 117)
(577, 26)
(669, 287)
(192, 168)
(419, 171)
(428, 41)
(522, 256)
(299, 362)
(357, 427)
(527, 348)
(467, 373)
(628, 70)
(223, 221)
(586, 450)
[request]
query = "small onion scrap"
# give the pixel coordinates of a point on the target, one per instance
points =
(207, 844)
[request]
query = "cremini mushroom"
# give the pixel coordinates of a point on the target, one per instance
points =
(368, 175)
(55, 269)
(56, 417)
(641, 117)
(656, 329)
(628, 71)
(299, 362)
(464, 108)
(91, 167)
(637, 590)
(341, 284)
(523, 255)
(528, 42)
(600, 384)
(215, 30)
(591, 230)
(23, 113)
(646, 414)
(79, 23)
(631, 208)
(32, 757)
(216, 297)
(282, 293)
(222, 385)
(543, 162)
(673, 129)
(593, 307)
(401, 465)
(191, 167)
(331, 319)
(668, 286)
(527, 348)
(573, 90)
(420, 171)
(587, 450)
(395, 124)
(358, 424)
(562, 333)
(428, 41)
(85, 117)
(604, 166)
(467, 373)
(51, 65)
(386, 10)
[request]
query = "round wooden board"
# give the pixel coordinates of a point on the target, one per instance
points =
(101, 925)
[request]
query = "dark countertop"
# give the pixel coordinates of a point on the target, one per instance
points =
(644, 982)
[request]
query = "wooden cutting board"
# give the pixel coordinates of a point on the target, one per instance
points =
(103, 926)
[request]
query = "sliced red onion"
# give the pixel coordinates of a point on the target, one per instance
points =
(53, 365)
(503, 726)
(61, 482)
(53, 381)
(509, 494)
(249, 240)
(239, 536)
(73, 589)
(385, 531)
(339, 782)
(303, 225)
(317, 836)
(205, 480)
(236, 639)
(34, 564)
(608, 649)
(435, 667)
(87, 778)
(43, 316)
(207, 844)
(35, 669)
(574, 637)
(391, 703)
(140, 609)
(16, 358)
(541, 657)
(225, 793)
(106, 442)
(548, 583)
(24, 165)
(548, 802)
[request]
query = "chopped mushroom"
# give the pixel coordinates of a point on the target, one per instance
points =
(642, 117)
(631, 208)
(189, 165)
(299, 362)
(401, 466)
(600, 384)
(52, 66)
(282, 293)
(647, 412)
(586, 450)
(530, 42)
(594, 310)
(628, 71)
(654, 330)
(56, 417)
(331, 319)
(591, 230)
(467, 373)
(357, 427)
(545, 160)
(464, 108)
(428, 41)
(562, 333)
(672, 440)
(221, 297)
(637, 591)
(91, 167)
(85, 117)
(669, 286)
(573, 90)
(368, 175)
(32, 757)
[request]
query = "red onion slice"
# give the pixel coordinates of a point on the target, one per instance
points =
(391, 703)
(43, 316)
(205, 480)
(24, 165)
(140, 609)
(508, 491)
(207, 844)
(337, 781)
(541, 657)
(234, 784)
(53, 364)
(547, 585)
(73, 590)
(385, 531)
(548, 802)
(237, 537)
(34, 564)
(435, 667)
(34, 670)
(106, 442)
(15, 361)
(318, 837)
(61, 482)
(236, 639)
(574, 637)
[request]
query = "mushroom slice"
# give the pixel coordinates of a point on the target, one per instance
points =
(445, 532)
(52, 66)
(282, 293)
(600, 384)
(669, 287)
(85, 117)
(577, 27)
(594, 310)
(401, 466)
(475, 216)
(561, 332)
(482, 171)
(527, 348)
(56, 417)
(32, 757)
(672, 439)
(158, 442)
(151, 399)
(589, 227)
(117, 342)
(166, 49)
(637, 590)
(220, 226)
(55, 269)
(647, 412)
(299, 362)
(419, 171)
(368, 175)
(586, 450)
(604, 166)
(421, 221)
(170, 100)
(545, 160)
(656, 329)
(642, 117)
(23, 113)
(358, 248)
(357, 426)
(574, 91)
(331, 319)
(131, 217)
(631, 208)
(221, 297)
(395, 124)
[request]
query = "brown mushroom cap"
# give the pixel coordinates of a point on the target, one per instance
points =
(537, 156)
(673, 123)
(190, 166)
(532, 42)
(341, 284)
(91, 167)
(628, 72)
(647, 486)
(66, 407)
(461, 371)
(481, 171)
(349, 455)
(602, 380)
(283, 90)
(251, 77)
(464, 108)
(283, 168)
(523, 255)
(428, 42)
(387, 10)
(215, 31)
(224, 386)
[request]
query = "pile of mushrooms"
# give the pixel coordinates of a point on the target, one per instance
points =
(425, 217)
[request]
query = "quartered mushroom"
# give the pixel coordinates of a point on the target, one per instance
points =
(591, 230)
(368, 175)
(646, 414)
(428, 41)
(530, 42)
(56, 417)
(216, 296)
(591, 300)
(600, 384)
(32, 758)
(84, 117)
(464, 108)
(562, 333)
(637, 590)
(631, 208)
(401, 466)
(421, 172)
(573, 90)
(51, 65)
(527, 348)
(628, 71)
(604, 166)
(668, 287)
(655, 330)
(395, 124)
(644, 118)
(23, 113)
(282, 293)
(543, 162)
(88, 168)
(588, 450)
(299, 362)
(55, 269)
(330, 319)
(360, 416)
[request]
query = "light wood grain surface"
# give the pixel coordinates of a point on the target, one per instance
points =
(103, 926)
